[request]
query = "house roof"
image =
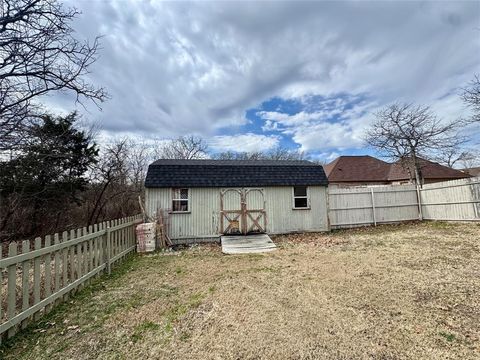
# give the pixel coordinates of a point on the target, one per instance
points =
(233, 173)
(357, 168)
(474, 171)
(430, 170)
(369, 169)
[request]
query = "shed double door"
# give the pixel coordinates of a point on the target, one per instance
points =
(242, 211)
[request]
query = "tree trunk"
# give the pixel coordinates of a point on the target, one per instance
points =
(416, 168)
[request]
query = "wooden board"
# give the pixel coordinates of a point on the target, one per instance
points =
(247, 244)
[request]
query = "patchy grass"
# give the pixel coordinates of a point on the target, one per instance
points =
(393, 292)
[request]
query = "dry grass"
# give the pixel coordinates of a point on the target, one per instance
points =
(408, 291)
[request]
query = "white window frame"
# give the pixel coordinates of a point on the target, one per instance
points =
(179, 199)
(301, 197)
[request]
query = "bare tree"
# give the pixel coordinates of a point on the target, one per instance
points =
(406, 132)
(278, 153)
(39, 55)
(108, 179)
(282, 153)
(184, 147)
(471, 96)
(232, 155)
(454, 155)
(138, 158)
(471, 161)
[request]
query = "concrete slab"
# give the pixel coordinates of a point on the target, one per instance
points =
(248, 244)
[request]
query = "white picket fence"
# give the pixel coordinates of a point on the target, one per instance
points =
(35, 278)
(456, 200)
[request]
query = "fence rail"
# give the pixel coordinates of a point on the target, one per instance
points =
(37, 276)
(456, 200)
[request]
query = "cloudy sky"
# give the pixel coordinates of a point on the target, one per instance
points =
(254, 75)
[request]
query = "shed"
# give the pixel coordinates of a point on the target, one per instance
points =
(204, 199)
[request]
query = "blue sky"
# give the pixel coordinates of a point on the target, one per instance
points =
(249, 76)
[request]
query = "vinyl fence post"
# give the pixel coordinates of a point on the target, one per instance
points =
(373, 208)
(419, 201)
(109, 249)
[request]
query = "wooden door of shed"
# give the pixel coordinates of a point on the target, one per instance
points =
(242, 211)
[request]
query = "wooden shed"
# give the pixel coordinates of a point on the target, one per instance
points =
(203, 199)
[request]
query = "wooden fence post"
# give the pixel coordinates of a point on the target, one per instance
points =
(37, 276)
(109, 266)
(25, 281)
(419, 200)
(56, 266)
(79, 258)
(12, 288)
(373, 208)
(47, 260)
(65, 264)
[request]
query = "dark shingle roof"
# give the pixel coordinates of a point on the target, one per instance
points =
(233, 173)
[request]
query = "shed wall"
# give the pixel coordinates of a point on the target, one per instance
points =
(202, 221)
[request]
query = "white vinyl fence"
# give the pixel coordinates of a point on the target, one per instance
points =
(456, 200)
(452, 200)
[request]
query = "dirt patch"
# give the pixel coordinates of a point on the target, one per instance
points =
(392, 292)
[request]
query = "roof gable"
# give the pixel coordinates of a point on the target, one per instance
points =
(233, 173)
(357, 168)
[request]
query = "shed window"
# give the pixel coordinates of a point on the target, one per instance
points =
(180, 200)
(300, 197)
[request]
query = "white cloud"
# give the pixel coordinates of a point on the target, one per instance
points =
(326, 136)
(243, 142)
(177, 67)
(335, 123)
(326, 156)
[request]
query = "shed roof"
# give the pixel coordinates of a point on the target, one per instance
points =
(234, 173)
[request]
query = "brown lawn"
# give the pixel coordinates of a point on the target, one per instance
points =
(393, 292)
